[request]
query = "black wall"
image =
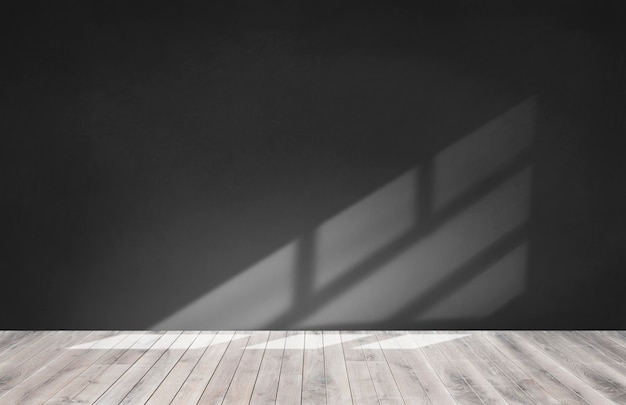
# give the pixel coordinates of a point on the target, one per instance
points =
(150, 154)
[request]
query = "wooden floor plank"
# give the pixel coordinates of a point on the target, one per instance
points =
(20, 352)
(194, 385)
(617, 336)
(573, 359)
(50, 378)
(242, 384)
(450, 376)
(607, 349)
(358, 367)
(16, 344)
(479, 348)
(146, 386)
(313, 374)
(361, 383)
(266, 384)
(170, 386)
(97, 386)
(336, 374)
(45, 351)
(538, 372)
(433, 386)
(111, 354)
(111, 372)
(489, 371)
(384, 381)
(219, 383)
(471, 372)
(566, 376)
(595, 355)
(11, 338)
(125, 383)
(404, 375)
(290, 379)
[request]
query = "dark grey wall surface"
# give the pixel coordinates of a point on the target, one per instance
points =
(151, 155)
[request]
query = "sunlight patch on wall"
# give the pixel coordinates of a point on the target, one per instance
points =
(251, 298)
(376, 261)
(351, 236)
(487, 292)
(483, 152)
(416, 269)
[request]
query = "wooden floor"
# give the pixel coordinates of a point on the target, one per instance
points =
(369, 367)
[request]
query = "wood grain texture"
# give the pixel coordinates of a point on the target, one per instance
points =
(294, 367)
(97, 386)
(600, 378)
(384, 381)
(220, 381)
(535, 369)
(471, 372)
(290, 378)
(242, 384)
(405, 377)
(569, 376)
(313, 373)
(53, 345)
(617, 336)
(194, 385)
(110, 354)
(11, 339)
(266, 385)
(518, 386)
(19, 355)
(57, 373)
(452, 378)
(608, 350)
(489, 371)
(361, 383)
(145, 387)
(172, 383)
(337, 383)
(133, 375)
(433, 385)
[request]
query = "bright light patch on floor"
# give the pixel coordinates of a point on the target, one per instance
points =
(297, 342)
(125, 341)
(405, 342)
(414, 341)
(106, 343)
(120, 342)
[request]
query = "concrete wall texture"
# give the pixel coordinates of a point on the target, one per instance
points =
(313, 165)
